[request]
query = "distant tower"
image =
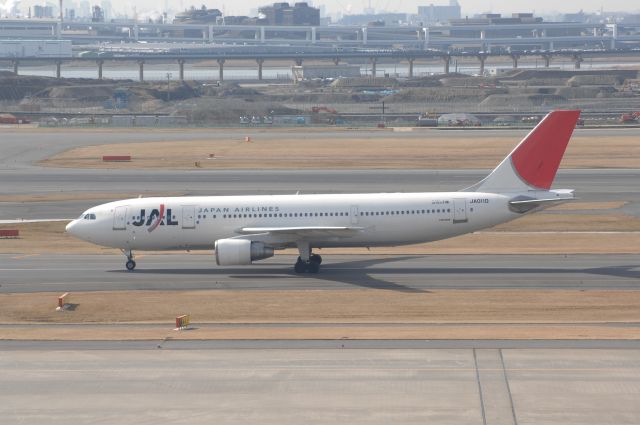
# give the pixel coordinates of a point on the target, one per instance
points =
(61, 14)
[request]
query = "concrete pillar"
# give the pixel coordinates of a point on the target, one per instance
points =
(411, 67)
(181, 72)
(374, 61)
(58, 30)
(141, 70)
(577, 60)
(210, 33)
(482, 59)
(58, 69)
(614, 34)
(263, 35)
(136, 32)
(15, 64)
(547, 60)
(100, 63)
(221, 69)
(260, 61)
(426, 38)
(551, 45)
(313, 35)
(364, 35)
(447, 60)
(515, 58)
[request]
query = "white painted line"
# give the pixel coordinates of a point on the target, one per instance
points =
(43, 220)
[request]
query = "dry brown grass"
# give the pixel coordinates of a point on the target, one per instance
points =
(394, 151)
(491, 332)
(320, 306)
(361, 314)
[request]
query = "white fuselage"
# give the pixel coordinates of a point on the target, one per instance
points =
(197, 222)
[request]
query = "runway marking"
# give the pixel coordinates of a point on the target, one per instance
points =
(383, 369)
(569, 232)
(20, 257)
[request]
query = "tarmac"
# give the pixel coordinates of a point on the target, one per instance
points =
(409, 273)
(316, 386)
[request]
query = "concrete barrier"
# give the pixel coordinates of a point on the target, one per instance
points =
(116, 158)
(9, 233)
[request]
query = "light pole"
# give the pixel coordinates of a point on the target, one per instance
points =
(168, 86)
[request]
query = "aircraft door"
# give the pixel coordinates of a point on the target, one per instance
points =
(120, 218)
(460, 210)
(354, 214)
(188, 217)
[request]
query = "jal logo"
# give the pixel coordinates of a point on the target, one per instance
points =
(156, 218)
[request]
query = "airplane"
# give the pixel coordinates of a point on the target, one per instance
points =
(244, 229)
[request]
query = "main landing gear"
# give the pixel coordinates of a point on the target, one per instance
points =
(307, 262)
(130, 264)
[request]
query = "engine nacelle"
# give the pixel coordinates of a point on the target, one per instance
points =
(236, 252)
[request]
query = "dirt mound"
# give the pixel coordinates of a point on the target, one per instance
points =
(177, 91)
(451, 94)
(522, 101)
(81, 93)
(212, 111)
(588, 92)
(596, 80)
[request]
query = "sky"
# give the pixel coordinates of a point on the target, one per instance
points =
(333, 7)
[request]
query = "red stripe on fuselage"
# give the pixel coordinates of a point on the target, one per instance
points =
(160, 218)
(538, 156)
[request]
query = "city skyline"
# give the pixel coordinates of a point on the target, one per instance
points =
(336, 8)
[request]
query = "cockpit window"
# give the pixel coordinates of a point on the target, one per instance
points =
(89, 216)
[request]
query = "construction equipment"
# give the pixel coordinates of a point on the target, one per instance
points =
(630, 118)
(318, 109)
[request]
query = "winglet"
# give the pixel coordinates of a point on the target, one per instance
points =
(534, 162)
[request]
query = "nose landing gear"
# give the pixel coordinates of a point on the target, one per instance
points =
(130, 264)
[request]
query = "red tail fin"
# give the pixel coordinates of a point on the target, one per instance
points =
(538, 156)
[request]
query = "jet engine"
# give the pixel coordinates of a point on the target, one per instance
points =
(237, 252)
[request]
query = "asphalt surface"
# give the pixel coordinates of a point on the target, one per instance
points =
(61, 273)
(316, 386)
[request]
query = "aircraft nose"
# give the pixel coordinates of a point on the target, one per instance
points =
(70, 226)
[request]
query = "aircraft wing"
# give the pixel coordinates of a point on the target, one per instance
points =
(288, 236)
(305, 232)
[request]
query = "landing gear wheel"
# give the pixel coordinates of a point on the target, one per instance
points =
(315, 259)
(131, 265)
(313, 267)
(308, 267)
(300, 266)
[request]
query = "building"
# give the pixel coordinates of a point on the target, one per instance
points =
(198, 16)
(492, 25)
(284, 14)
(42, 12)
(384, 19)
(435, 14)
